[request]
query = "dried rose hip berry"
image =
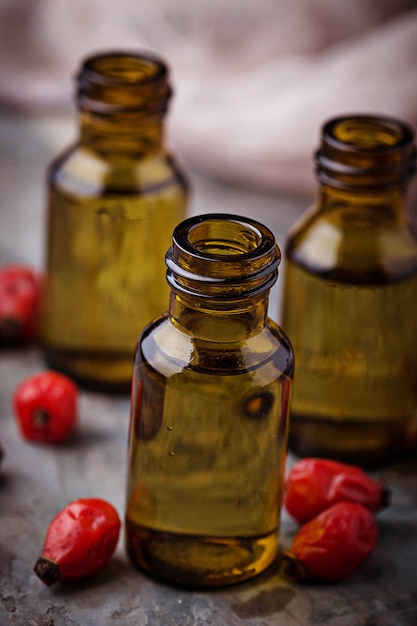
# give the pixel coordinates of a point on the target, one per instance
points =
(333, 545)
(79, 541)
(315, 484)
(19, 303)
(46, 407)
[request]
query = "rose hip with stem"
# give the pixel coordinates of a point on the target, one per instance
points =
(79, 541)
(333, 545)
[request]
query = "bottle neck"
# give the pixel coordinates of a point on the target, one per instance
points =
(365, 156)
(121, 133)
(389, 200)
(122, 99)
(220, 268)
(230, 323)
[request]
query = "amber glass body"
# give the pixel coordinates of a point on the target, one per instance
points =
(209, 412)
(350, 297)
(114, 198)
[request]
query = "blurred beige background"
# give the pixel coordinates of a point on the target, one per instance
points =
(254, 81)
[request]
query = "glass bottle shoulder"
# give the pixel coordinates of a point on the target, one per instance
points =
(351, 240)
(169, 350)
(82, 171)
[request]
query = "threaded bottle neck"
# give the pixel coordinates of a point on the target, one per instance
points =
(118, 83)
(122, 98)
(365, 152)
(219, 261)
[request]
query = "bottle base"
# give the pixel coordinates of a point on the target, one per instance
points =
(93, 371)
(197, 561)
(368, 444)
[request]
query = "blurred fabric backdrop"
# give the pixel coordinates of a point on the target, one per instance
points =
(254, 81)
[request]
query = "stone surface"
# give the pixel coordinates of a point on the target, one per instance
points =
(37, 481)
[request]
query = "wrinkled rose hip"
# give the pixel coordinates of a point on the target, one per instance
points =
(313, 485)
(333, 545)
(79, 541)
(46, 407)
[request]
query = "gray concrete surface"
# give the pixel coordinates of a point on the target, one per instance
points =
(37, 481)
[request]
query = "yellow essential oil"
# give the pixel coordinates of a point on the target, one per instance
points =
(350, 294)
(209, 412)
(113, 200)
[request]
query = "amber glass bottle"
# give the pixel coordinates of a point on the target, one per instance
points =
(114, 199)
(209, 411)
(350, 297)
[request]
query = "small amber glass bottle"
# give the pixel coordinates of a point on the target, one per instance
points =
(350, 297)
(114, 199)
(209, 411)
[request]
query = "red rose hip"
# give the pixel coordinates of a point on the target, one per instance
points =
(19, 303)
(46, 407)
(333, 545)
(79, 541)
(314, 485)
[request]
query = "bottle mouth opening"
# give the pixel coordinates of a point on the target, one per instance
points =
(223, 256)
(365, 132)
(124, 68)
(118, 81)
(219, 238)
(365, 151)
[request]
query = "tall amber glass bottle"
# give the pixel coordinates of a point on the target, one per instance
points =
(209, 411)
(350, 298)
(114, 199)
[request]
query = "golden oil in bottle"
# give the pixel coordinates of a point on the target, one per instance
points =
(209, 412)
(350, 292)
(113, 200)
